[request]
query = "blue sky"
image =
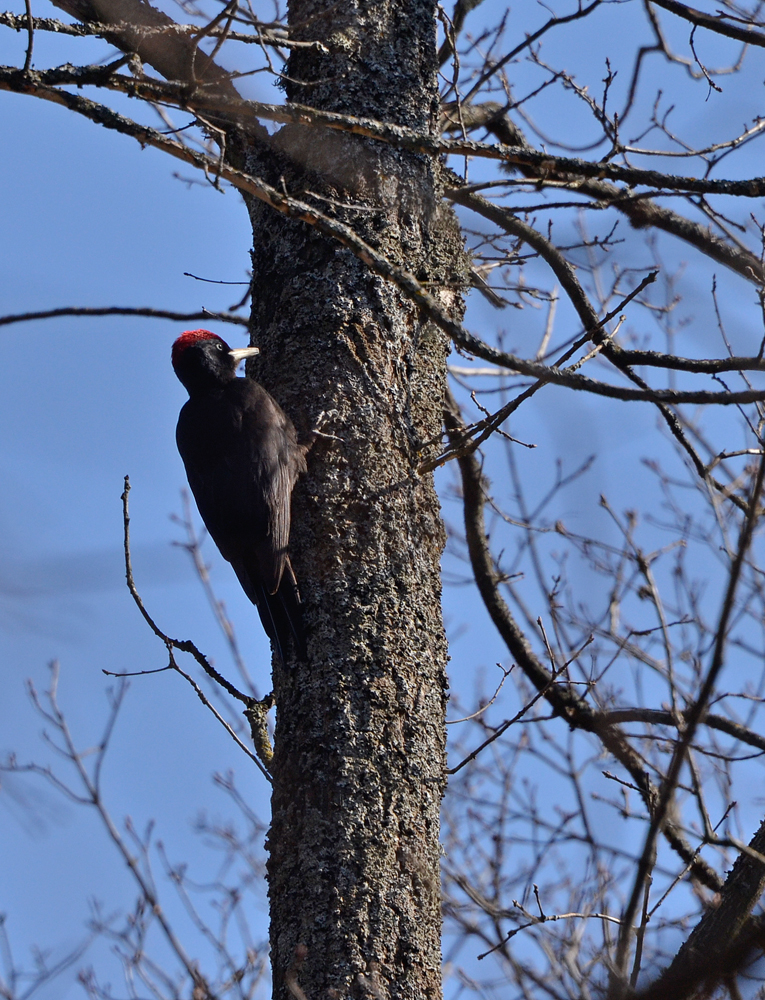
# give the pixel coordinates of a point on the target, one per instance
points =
(87, 218)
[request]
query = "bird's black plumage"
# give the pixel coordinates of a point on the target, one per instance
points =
(242, 458)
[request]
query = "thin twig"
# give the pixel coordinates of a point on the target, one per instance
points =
(31, 33)
(693, 719)
(177, 317)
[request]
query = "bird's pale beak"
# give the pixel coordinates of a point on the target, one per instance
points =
(244, 352)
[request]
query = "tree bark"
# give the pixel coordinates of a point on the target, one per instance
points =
(359, 747)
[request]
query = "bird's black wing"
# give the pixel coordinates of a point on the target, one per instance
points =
(275, 460)
(220, 473)
(242, 459)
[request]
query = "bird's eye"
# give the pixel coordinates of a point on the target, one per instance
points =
(219, 346)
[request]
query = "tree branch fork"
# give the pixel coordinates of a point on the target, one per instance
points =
(418, 293)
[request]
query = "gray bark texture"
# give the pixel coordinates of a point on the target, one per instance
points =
(359, 747)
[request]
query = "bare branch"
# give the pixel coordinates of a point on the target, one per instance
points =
(713, 22)
(694, 717)
(177, 317)
(564, 701)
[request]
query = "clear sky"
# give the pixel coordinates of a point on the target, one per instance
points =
(87, 218)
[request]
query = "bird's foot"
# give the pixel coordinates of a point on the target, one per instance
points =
(325, 417)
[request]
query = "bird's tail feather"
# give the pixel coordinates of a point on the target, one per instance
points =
(282, 619)
(281, 613)
(291, 610)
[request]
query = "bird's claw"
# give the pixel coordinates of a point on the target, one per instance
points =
(323, 418)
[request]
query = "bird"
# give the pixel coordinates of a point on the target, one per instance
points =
(242, 459)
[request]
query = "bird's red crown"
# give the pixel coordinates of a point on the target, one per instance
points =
(190, 337)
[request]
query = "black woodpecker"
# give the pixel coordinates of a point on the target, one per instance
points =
(242, 459)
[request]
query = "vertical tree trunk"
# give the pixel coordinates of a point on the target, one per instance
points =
(359, 750)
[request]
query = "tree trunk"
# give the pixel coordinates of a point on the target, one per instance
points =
(359, 749)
